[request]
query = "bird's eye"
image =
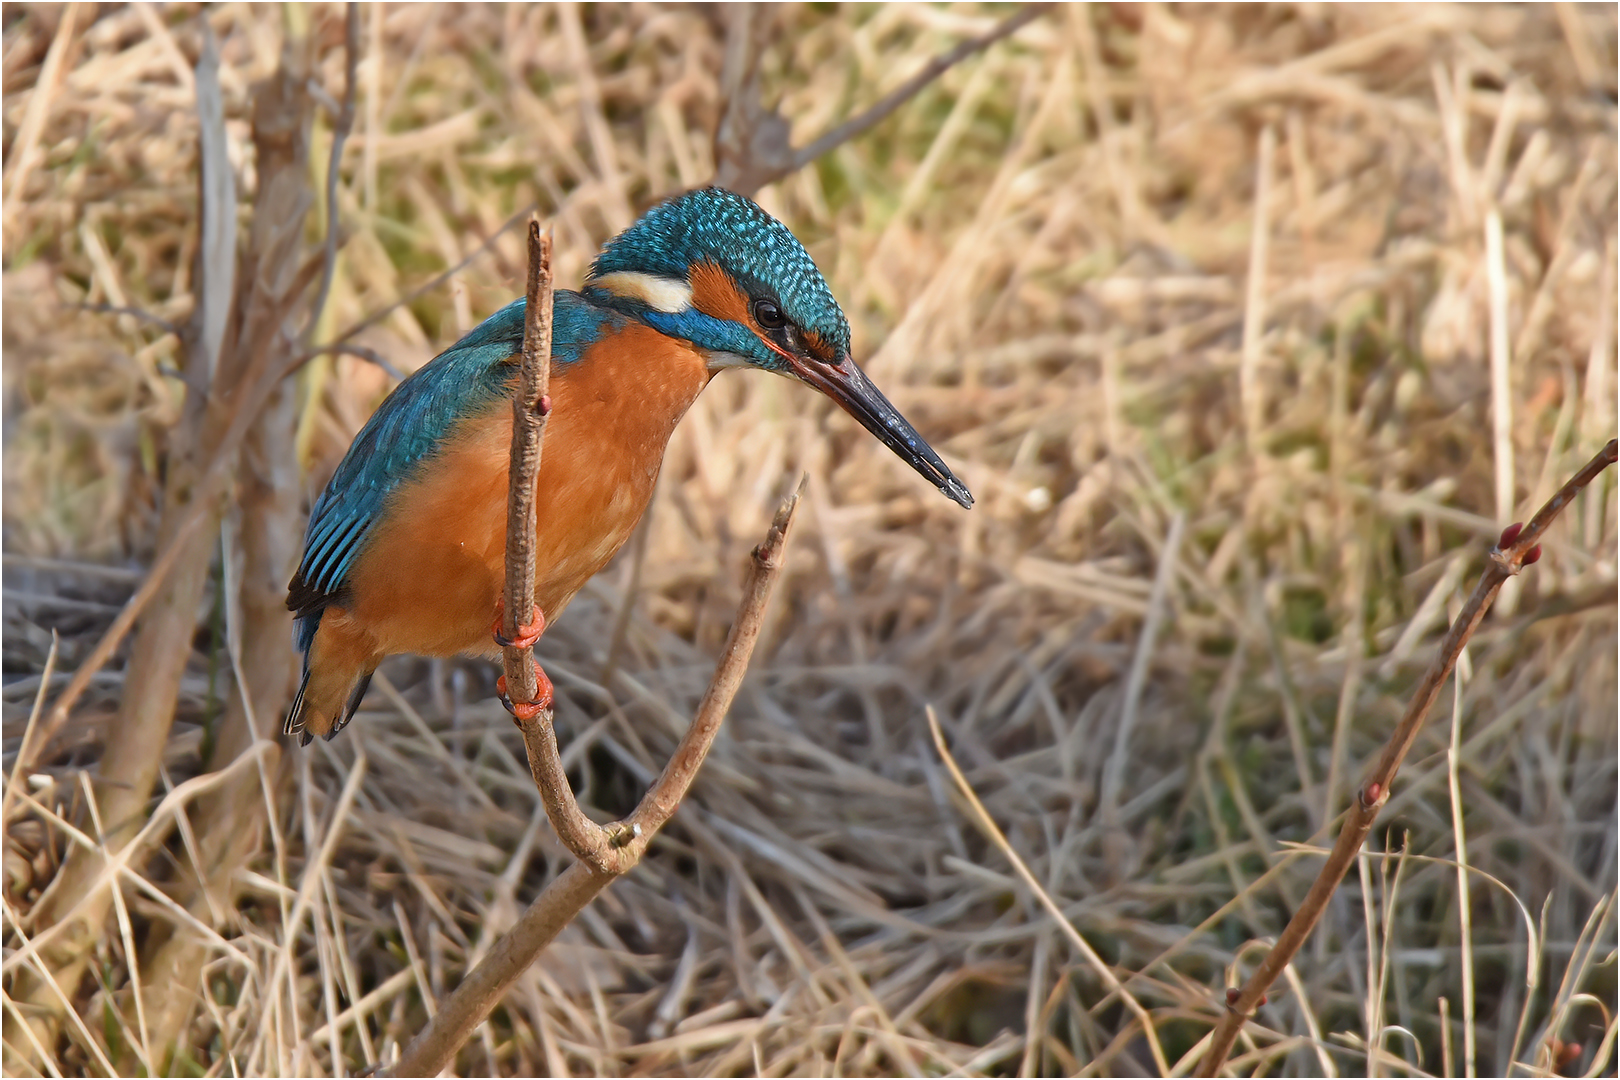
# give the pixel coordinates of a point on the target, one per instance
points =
(769, 315)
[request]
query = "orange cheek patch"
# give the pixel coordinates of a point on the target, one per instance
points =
(714, 293)
(818, 346)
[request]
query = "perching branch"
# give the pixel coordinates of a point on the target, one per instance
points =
(751, 145)
(530, 407)
(1517, 548)
(482, 989)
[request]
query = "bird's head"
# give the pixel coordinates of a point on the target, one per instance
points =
(710, 267)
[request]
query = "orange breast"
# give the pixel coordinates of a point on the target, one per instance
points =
(429, 577)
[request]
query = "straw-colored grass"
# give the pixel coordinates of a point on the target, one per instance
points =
(1249, 327)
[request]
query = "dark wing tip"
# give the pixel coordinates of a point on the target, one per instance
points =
(302, 597)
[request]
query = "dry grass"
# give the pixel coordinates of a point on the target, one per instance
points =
(1230, 481)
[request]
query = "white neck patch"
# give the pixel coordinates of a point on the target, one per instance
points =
(718, 360)
(659, 293)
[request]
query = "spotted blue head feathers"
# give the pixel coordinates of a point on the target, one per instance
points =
(655, 271)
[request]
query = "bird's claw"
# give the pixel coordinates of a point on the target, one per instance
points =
(527, 634)
(524, 711)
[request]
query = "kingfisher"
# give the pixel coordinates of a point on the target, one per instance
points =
(406, 546)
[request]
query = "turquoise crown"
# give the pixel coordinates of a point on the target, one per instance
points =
(717, 226)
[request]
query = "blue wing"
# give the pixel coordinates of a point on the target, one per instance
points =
(406, 430)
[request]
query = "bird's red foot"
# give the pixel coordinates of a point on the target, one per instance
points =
(524, 711)
(526, 635)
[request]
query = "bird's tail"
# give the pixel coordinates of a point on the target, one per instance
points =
(326, 698)
(308, 718)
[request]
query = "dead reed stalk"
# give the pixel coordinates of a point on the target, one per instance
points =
(240, 337)
(82, 891)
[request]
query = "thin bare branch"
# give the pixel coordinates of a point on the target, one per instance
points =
(751, 147)
(485, 985)
(660, 803)
(140, 313)
(371, 356)
(530, 408)
(1517, 548)
(909, 89)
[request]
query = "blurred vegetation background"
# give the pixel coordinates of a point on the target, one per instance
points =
(1249, 327)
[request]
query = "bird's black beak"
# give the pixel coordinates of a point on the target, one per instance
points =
(848, 385)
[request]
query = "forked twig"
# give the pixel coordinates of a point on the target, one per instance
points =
(531, 406)
(604, 852)
(1517, 548)
(484, 986)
